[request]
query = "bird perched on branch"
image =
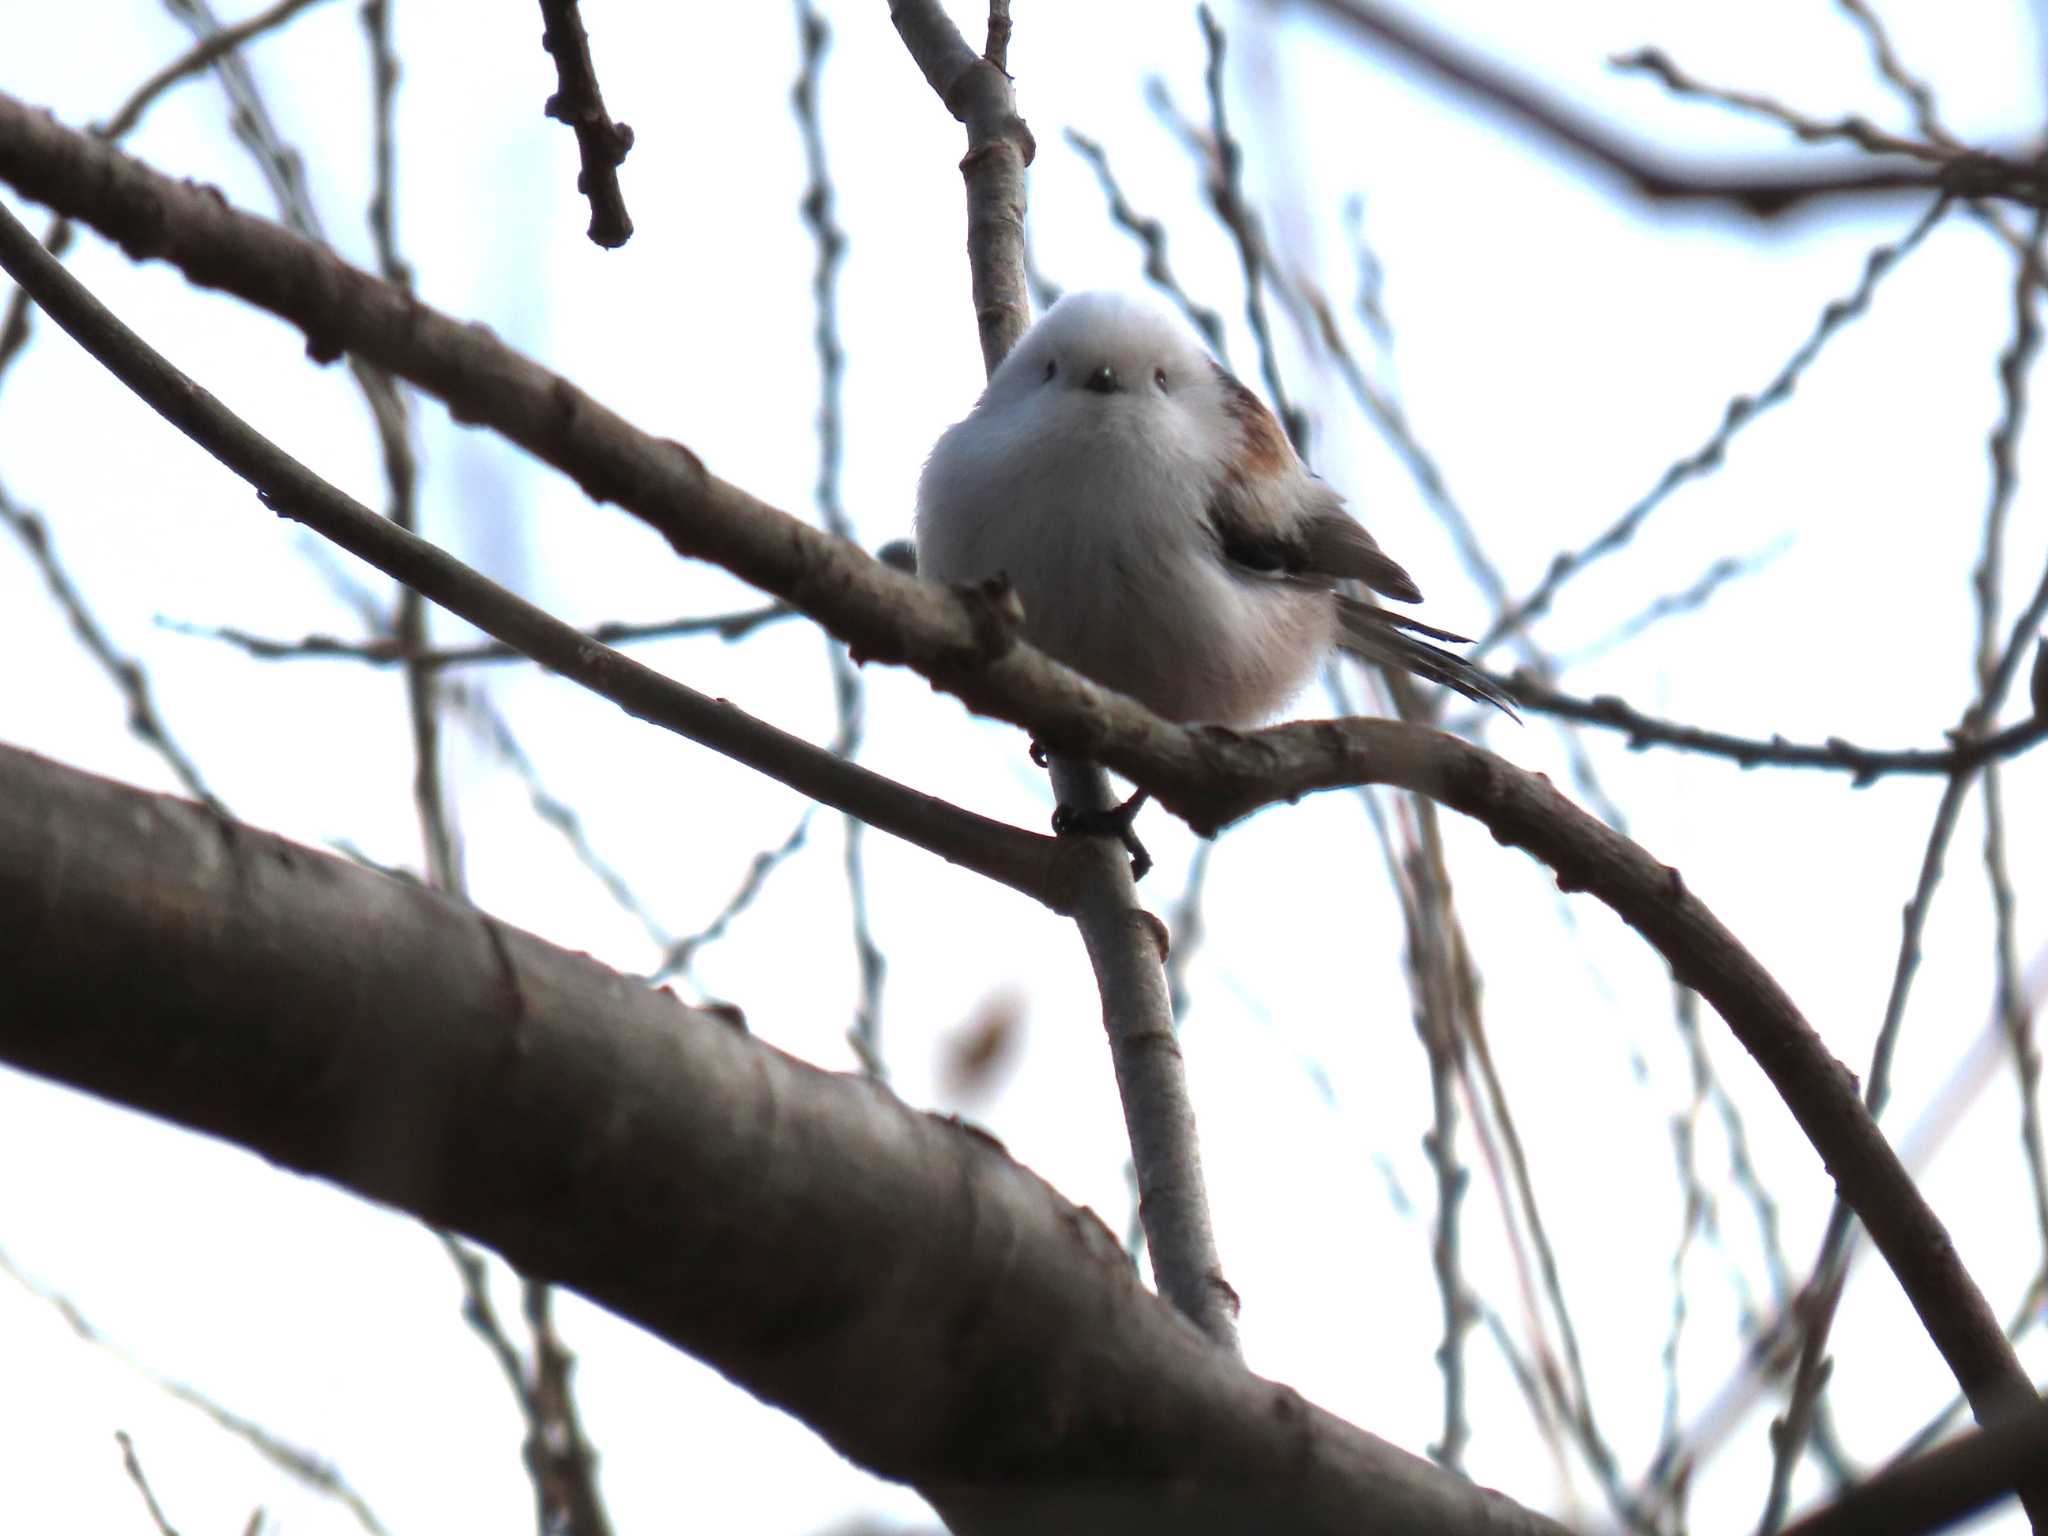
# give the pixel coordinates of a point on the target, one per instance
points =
(1161, 533)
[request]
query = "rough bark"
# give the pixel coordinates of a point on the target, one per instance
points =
(894, 1279)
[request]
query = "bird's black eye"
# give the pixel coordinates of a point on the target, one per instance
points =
(1159, 377)
(1052, 368)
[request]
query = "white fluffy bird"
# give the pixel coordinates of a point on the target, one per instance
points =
(1160, 532)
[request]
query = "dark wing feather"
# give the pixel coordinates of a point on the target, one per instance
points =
(1255, 544)
(1338, 546)
(1380, 636)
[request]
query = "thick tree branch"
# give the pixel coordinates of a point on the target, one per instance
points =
(953, 1323)
(1207, 776)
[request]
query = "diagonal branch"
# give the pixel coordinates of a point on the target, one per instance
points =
(1022, 860)
(1763, 191)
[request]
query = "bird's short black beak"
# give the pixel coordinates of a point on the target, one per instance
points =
(1103, 381)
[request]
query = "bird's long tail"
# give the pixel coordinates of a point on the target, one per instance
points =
(1372, 632)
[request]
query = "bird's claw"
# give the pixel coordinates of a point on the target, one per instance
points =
(1115, 822)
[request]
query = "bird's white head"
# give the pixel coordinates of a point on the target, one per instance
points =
(1110, 363)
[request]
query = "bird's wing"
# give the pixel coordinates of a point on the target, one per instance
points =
(1337, 546)
(1287, 521)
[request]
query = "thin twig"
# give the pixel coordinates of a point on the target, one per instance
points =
(558, 1458)
(1150, 234)
(1186, 930)
(1739, 412)
(1019, 859)
(1575, 1393)
(478, 1312)
(124, 671)
(1864, 765)
(2014, 1012)
(563, 1463)
(1823, 1292)
(1762, 191)
(490, 724)
(1988, 582)
(1772, 1346)
(1384, 411)
(681, 954)
(133, 1464)
(1670, 605)
(384, 651)
(14, 326)
(1370, 300)
(1857, 131)
(304, 1467)
(401, 476)
(1892, 70)
(284, 169)
(384, 75)
(201, 56)
(1697, 1218)
(1435, 987)
(1226, 196)
(601, 144)
(997, 49)
(849, 695)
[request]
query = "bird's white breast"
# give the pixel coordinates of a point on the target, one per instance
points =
(1100, 529)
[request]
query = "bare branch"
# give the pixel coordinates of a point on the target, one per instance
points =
(438, 837)
(1762, 191)
(1031, 1383)
(849, 695)
(1226, 196)
(133, 1464)
(999, 146)
(1151, 236)
(1207, 776)
(1940, 1488)
(1028, 862)
(384, 651)
(601, 143)
(1740, 411)
(196, 59)
(1864, 765)
(122, 670)
(1125, 943)
(679, 955)
(490, 724)
(1856, 131)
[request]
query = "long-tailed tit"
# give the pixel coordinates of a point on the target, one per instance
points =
(1159, 530)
